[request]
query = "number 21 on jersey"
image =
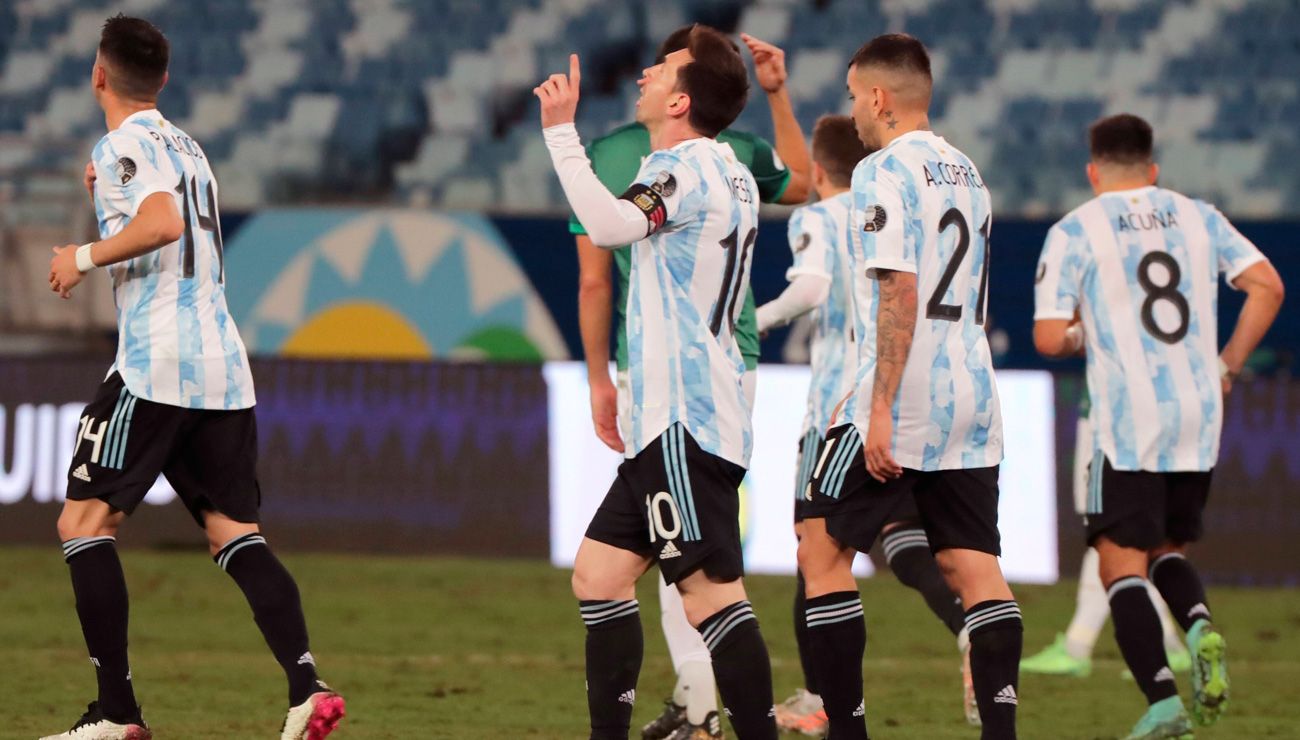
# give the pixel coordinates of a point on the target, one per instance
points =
(935, 308)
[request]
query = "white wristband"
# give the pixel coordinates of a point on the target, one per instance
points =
(84, 262)
(1224, 372)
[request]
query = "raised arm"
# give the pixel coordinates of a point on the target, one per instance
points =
(609, 221)
(769, 68)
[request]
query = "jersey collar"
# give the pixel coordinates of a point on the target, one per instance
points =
(911, 135)
(142, 115)
(1131, 191)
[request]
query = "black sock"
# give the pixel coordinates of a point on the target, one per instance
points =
(742, 670)
(996, 640)
(277, 609)
(1181, 588)
(103, 608)
(907, 550)
(801, 636)
(614, 648)
(837, 636)
(1140, 637)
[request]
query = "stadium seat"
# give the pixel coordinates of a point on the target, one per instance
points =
(455, 79)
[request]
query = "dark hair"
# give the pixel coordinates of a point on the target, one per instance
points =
(1121, 139)
(676, 41)
(837, 148)
(137, 54)
(716, 80)
(681, 39)
(895, 51)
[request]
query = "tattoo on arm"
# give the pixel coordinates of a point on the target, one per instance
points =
(895, 325)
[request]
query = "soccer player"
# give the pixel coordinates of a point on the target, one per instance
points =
(1071, 653)
(178, 399)
(923, 419)
(1140, 264)
(820, 281)
(691, 217)
(782, 176)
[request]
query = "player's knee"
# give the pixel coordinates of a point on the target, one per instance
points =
(77, 520)
(949, 567)
(811, 564)
(973, 575)
(592, 584)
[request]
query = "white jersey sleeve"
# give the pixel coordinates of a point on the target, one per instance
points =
(1057, 282)
(883, 244)
(667, 190)
(812, 243)
(127, 171)
(1235, 253)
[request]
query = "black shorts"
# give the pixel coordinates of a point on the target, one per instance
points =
(677, 504)
(124, 442)
(957, 508)
(809, 445)
(1142, 509)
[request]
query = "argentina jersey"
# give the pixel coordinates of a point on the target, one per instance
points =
(177, 344)
(1142, 268)
(819, 235)
(920, 206)
(685, 291)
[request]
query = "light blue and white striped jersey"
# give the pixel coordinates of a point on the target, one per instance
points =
(819, 239)
(920, 206)
(177, 344)
(1142, 268)
(686, 288)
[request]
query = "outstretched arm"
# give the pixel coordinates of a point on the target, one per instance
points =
(803, 294)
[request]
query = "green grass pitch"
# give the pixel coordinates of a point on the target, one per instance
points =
(448, 648)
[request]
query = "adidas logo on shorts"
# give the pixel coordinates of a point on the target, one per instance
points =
(1164, 674)
(628, 697)
(670, 551)
(1006, 696)
(861, 711)
(81, 473)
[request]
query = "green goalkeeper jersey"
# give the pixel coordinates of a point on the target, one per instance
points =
(616, 158)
